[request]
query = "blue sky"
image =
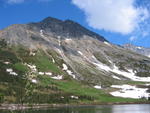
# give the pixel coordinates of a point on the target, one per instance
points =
(119, 21)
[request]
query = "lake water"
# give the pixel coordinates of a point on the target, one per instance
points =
(141, 108)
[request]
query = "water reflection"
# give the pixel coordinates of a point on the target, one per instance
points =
(91, 109)
(131, 108)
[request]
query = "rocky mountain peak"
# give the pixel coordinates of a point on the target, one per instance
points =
(66, 28)
(50, 20)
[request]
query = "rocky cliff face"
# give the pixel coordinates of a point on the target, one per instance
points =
(64, 29)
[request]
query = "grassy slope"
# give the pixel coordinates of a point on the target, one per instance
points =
(91, 95)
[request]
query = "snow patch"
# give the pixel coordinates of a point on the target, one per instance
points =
(45, 73)
(13, 73)
(98, 87)
(10, 71)
(32, 53)
(65, 67)
(59, 77)
(34, 81)
(6, 63)
(62, 97)
(115, 77)
(110, 61)
(94, 57)
(59, 51)
(53, 60)
(59, 41)
(48, 73)
(130, 74)
(74, 97)
(139, 47)
(107, 43)
(102, 66)
(147, 84)
(32, 67)
(41, 73)
(41, 33)
(71, 73)
(80, 52)
(68, 40)
(128, 91)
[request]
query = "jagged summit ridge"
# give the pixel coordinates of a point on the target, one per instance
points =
(66, 28)
(46, 32)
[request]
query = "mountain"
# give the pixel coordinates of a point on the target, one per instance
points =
(55, 61)
(138, 49)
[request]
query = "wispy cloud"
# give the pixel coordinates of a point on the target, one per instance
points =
(14, 1)
(119, 16)
(132, 38)
(22, 1)
(44, 0)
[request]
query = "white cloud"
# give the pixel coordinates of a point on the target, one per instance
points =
(113, 15)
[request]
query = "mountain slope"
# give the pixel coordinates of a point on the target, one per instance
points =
(138, 49)
(64, 61)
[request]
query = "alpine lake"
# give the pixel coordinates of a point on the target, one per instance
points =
(131, 108)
